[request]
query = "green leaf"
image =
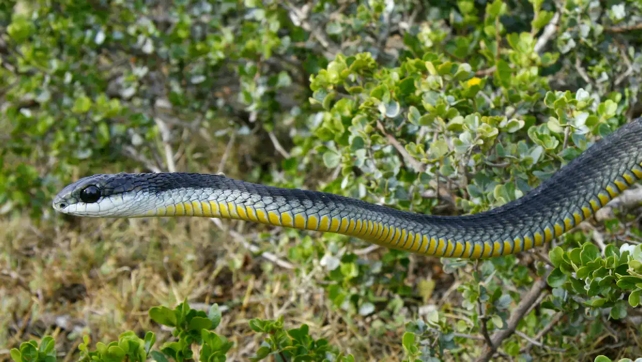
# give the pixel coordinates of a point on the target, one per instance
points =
(158, 357)
(557, 256)
(495, 9)
(163, 315)
(114, 354)
(602, 358)
(542, 19)
(331, 159)
(498, 321)
(596, 302)
(413, 115)
(15, 355)
(198, 323)
(214, 314)
(257, 325)
(20, 28)
(408, 341)
(589, 253)
(82, 104)
(514, 125)
(634, 298)
(504, 73)
(391, 109)
(150, 339)
(439, 148)
(557, 278)
(619, 310)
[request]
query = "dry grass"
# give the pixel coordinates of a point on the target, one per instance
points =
(100, 277)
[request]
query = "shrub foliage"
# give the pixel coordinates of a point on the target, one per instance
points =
(444, 108)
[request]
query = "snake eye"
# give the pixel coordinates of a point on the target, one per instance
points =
(90, 194)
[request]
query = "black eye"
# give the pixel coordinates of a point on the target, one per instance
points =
(90, 194)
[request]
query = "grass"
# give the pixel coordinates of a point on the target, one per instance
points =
(100, 276)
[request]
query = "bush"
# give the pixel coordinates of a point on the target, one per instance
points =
(444, 108)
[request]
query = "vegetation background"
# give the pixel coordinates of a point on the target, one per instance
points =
(436, 107)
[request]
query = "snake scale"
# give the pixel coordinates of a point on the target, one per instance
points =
(571, 195)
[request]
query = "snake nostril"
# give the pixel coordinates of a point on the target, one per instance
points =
(62, 205)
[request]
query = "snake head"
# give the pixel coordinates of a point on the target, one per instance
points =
(100, 196)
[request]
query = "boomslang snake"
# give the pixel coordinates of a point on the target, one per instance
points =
(571, 195)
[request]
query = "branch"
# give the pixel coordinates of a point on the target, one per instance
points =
(623, 29)
(418, 166)
(228, 148)
(628, 199)
(299, 17)
(132, 153)
(629, 66)
(520, 311)
(548, 33)
(166, 137)
(556, 318)
(253, 248)
(366, 250)
(277, 145)
(531, 342)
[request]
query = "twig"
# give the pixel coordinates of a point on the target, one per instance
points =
(539, 344)
(462, 335)
(567, 131)
(623, 29)
(228, 148)
(277, 145)
(132, 153)
(556, 318)
(482, 317)
(366, 250)
(628, 198)
(166, 137)
(581, 71)
(253, 248)
(522, 308)
(629, 66)
(547, 34)
(299, 17)
(487, 71)
(599, 239)
(418, 166)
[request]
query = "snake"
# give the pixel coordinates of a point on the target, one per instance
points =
(572, 194)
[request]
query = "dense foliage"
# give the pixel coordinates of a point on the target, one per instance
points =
(439, 108)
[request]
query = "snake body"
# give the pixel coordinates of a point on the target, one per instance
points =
(571, 195)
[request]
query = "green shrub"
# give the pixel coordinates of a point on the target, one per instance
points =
(444, 108)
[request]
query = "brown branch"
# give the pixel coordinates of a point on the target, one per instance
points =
(623, 29)
(522, 308)
(483, 319)
(418, 166)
